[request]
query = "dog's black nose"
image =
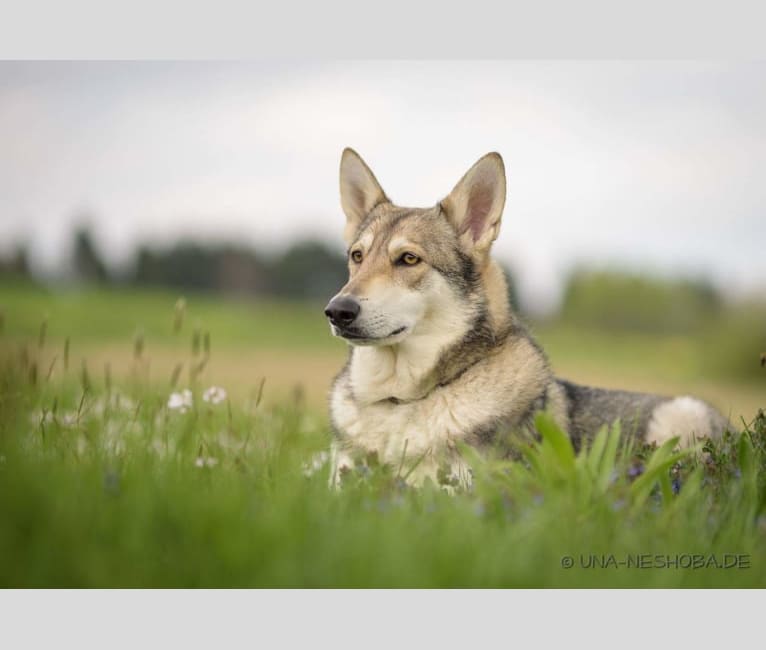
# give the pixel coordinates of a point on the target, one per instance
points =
(342, 310)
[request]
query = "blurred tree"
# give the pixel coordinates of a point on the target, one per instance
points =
(619, 300)
(87, 262)
(16, 265)
(240, 271)
(308, 269)
(185, 265)
(513, 293)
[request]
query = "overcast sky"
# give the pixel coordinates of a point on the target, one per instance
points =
(656, 166)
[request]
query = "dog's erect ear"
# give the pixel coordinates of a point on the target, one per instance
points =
(475, 205)
(360, 191)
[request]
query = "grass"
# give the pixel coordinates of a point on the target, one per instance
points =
(288, 343)
(105, 316)
(102, 484)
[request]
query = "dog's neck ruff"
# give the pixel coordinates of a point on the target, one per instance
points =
(441, 384)
(412, 374)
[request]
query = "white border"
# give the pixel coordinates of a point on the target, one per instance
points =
(349, 29)
(377, 619)
(90, 29)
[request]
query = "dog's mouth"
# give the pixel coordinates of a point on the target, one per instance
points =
(353, 334)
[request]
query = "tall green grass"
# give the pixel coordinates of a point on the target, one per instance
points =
(104, 483)
(102, 316)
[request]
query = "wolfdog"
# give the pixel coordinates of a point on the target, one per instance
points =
(438, 357)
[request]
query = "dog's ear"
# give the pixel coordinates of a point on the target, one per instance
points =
(360, 191)
(475, 205)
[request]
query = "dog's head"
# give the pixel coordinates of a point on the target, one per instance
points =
(411, 269)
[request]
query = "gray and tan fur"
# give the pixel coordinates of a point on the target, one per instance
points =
(437, 356)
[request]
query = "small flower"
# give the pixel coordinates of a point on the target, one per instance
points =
(180, 402)
(318, 461)
(205, 461)
(68, 419)
(124, 403)
(214, 395)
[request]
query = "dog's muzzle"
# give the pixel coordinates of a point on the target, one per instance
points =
(342, 311)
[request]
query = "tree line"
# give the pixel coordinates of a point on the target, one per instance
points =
(307, 269)
(311, 270)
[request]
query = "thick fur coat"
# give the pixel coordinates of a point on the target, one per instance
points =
(437, 357)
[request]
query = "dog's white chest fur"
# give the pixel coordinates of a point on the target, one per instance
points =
(387, 405)
(424, 421)
(420, 434)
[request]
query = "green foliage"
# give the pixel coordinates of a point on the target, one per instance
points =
(15, 265)
(731, 345)
(116, 485)
(306, 270)
(88, 265)
(717, 339)
(616, 300)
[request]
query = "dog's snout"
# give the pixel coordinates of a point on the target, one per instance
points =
(342, 310)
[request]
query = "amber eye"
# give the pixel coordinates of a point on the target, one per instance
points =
(410, 259)
(356, 256)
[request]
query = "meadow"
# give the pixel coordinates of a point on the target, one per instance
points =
(120, 467)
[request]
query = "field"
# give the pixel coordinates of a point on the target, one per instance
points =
(105, 480)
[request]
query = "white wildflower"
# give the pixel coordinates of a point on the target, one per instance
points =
(180, 402)
(318, 461)
(124, 403)
(206, 461)
(163, 447)
(228, 441)
(69, 419)
(214, 395)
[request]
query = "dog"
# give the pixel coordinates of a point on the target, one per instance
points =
(437, 356)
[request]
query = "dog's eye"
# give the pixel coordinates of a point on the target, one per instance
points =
(410, 259)
(356, 256)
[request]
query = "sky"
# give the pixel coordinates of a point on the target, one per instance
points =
(652, 166)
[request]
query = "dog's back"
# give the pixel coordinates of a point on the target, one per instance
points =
(648, 417)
